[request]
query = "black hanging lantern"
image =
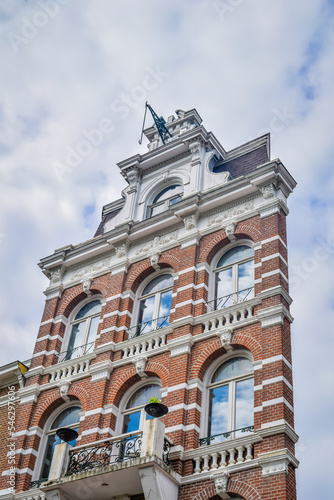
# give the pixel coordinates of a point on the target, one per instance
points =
(156, 410)
(67, 435)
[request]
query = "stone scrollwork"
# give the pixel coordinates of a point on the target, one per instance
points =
(230, 214)
(221, 481)
(140, 364)
(158, 242)
(56, 276)
(94, 267)
(268, 191)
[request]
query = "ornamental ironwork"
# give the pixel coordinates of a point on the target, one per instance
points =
(225, 435)
(104, 454)
(231, 299)
(76, 352)
(165, 451)
(146, 327)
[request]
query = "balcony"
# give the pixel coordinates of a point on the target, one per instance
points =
(231, 299)
(130, 464)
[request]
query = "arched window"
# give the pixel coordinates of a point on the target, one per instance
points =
(231, 399)
(67, 418)
(165, 199)
(154, 305)
(134, 414)
(234, 280)
(83, 330)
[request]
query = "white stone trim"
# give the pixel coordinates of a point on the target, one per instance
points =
(50, 337)
(187, 270)
(44, 353)
(98, 430)
(21, 451)
(183, 406)
(273, 402)
(273, 256)
(191, 385)
(192, 285)
(190, 301)
(31, 432)
(273, 359)
(184, 428)
(274, 380)
(273, 238)
(26, 470)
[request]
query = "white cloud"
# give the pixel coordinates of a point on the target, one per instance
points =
(238, 71)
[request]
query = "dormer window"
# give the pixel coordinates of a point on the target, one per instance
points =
(165, 199)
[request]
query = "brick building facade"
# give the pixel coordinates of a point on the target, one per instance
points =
(182, 294)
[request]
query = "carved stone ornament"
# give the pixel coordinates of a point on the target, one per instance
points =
(63, 389)
(229, 230)
(132, 176)
(154, 259)
(226, 338)
(121, 250)
(86, 286)
(190, 222)
(268, 191)
(158, 242)
(140, 364)
(195, 148)
(230, 214)
(56, 276)
(221, 484)
(91, 268)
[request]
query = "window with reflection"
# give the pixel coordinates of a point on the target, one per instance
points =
(155, 304)
(134, 414)
(83, 330)
(67, 418)
(165, 199)
(231, 399)
(234, 277)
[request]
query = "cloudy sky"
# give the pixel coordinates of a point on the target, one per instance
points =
(70, 67)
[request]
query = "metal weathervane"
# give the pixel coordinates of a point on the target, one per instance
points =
(159, 122)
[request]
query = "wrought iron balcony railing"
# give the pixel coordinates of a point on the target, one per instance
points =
(225, 435)
(104, 454)
(76, 352)
(230, 300)
(146, 327)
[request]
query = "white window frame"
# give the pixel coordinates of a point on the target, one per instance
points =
(46, 433)
(71, 321)
(139, 295)
(208, 385)
(215, 260)
(155, 192)
(124, 411)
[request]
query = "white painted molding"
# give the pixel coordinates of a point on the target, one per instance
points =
(180, 345)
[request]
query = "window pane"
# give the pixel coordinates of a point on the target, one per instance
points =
(157, 209)
(76, 340)
(244, 404)
(236, 254)
(51, 442)
(88, 309)
(131, 422)
(218, 416)
(175, 200)
(168, 193)
(67, 417)
(142, 396)
(164, 309)
(233, 368)
(146, 312)
(158, 283)
(224, 288)
(246, 279)
(93, 329)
